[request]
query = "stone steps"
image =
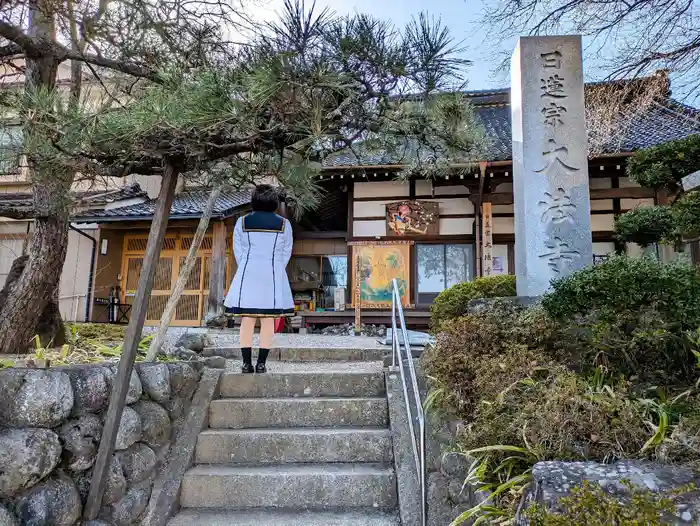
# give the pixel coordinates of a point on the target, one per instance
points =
(302, 486)
(284, 518)
(308, 354)
(243, 413)
(294, 446)
(305, 448)
(336, 384)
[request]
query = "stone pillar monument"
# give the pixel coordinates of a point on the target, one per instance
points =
(550, 163)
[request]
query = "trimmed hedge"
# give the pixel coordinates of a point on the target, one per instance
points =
(622, 284)
(453, 302)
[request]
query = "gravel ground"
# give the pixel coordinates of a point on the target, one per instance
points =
(304, 341)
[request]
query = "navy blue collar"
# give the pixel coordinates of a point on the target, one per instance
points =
(263, 222)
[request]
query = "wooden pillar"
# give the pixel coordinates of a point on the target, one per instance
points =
(217, 274)
(477, 221)
(120, 385)
(487, 239)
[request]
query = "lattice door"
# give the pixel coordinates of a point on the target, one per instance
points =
(192, 305)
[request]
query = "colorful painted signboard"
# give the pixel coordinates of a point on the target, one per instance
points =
(412, 218)
(377, 264)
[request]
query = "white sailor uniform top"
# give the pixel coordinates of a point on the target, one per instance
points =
(262, 246)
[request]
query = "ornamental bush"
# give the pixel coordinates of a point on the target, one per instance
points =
(621, 284)
(686, 215)
(645, 225)
(665, 165)
(453, 302)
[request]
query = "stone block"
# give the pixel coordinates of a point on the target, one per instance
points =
(126, 511)
(34, 398)
(554, 479)
(130, 428)
(183, 380)
(550, 162)
(283, 446)
(283, 518)
(54, 501)
(215, 362)
(7, 518)
(408, 482)
(155, 423)
(194, 341)
(297, 412)
(312, 384)
(155, 379)
(81, 439)
(313, 486)
(91, 388)
(138, 462)
(26, 457)
(691, 182)
(135, 390)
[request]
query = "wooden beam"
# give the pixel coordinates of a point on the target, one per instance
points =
(502, 198)
(217, 273)
(120, 385)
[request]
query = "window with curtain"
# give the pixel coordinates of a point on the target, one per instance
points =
(440, 266)
(335, 275)
(10, 148)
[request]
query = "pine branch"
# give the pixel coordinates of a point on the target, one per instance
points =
(39, 48)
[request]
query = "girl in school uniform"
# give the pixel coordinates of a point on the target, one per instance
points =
(262, 246)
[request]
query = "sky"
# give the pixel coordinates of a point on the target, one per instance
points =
(461, 16)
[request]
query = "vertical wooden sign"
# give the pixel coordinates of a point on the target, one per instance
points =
(487, 238)
(358, 295)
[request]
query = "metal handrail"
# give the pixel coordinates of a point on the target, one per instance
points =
(414, 410)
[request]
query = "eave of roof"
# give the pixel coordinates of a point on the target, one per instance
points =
(661, 123)
(188, 205)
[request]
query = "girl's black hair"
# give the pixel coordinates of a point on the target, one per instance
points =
(266, 198)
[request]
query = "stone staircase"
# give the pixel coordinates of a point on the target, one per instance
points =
(294, 449)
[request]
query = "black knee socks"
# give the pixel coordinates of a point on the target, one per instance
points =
(246, 352)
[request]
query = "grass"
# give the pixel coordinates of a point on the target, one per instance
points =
(86, 343)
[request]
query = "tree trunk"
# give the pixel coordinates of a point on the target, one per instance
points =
(169, 311)
(29, 296)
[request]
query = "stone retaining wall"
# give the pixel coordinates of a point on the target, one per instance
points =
(52, 424)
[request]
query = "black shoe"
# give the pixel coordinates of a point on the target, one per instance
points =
(247, 368)
(260, 368)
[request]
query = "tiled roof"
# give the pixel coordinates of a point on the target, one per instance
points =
(661, 123)
(186, 205)
(102, 198)
(25, 202)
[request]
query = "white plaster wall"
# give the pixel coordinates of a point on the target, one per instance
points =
(74, 279)
(461, 205)
(626, 182)
(602, 204)
(448, 190)
(629, 204)
(602, 223)
(602, 248)
(502, 209)
(600, 182)
(381, 189)
(424, 187)
(452, 226)
(503, 225)
(368, 228)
